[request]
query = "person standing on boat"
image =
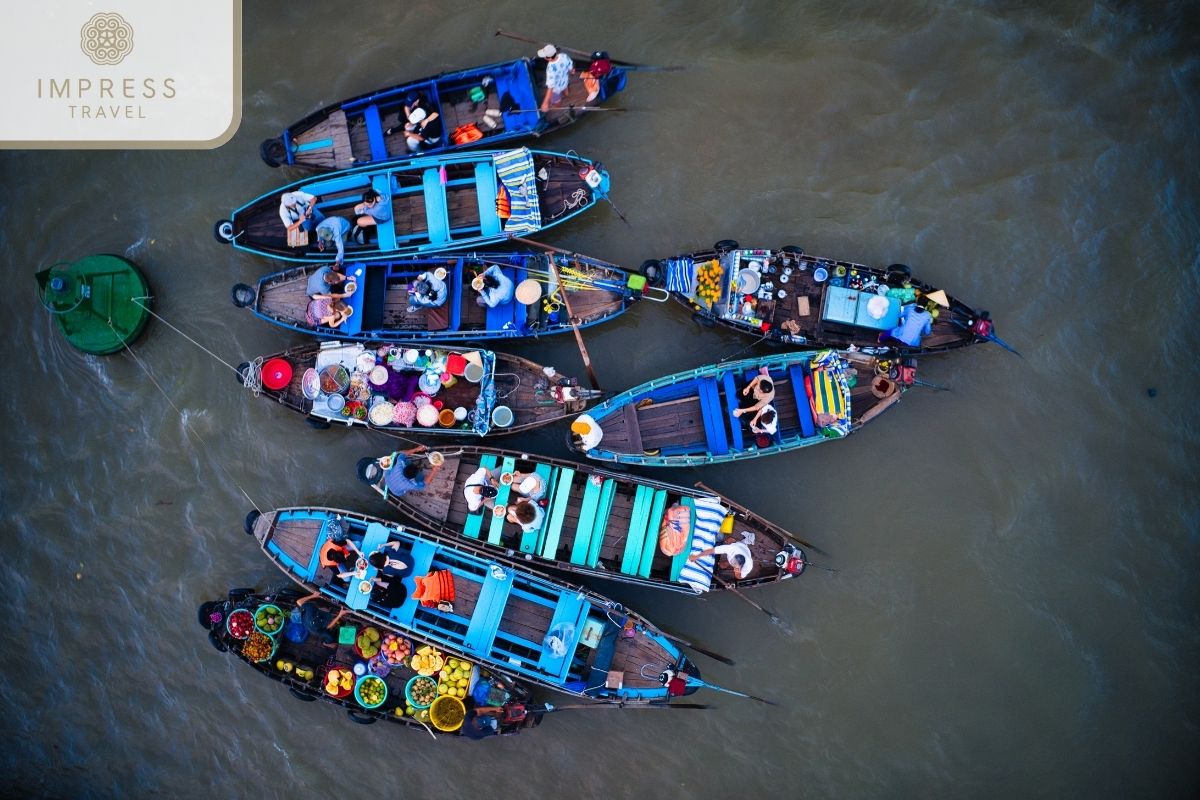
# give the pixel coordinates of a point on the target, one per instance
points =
(374, 208)
(559, 69)
(298, 210)
(401, 472)
(333, 230)
(429, 291)
(494, 287)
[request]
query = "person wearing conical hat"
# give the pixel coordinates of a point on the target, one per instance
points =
(585, 433)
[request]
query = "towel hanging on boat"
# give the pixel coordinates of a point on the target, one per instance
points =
(515, 170)
(709, 516)
(679, 274)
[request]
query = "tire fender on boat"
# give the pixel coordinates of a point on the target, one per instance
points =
(250, 521)
(652, 271)
(223, 231)
(318, 424)
(242, 295)
(897, 274)
(303, 697)
(702, 319)
(360, 718)
(725, 245)
(243, 369)
(273, 152)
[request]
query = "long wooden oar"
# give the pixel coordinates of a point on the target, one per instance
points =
(694, 681)
(587, 359)
(693, 646)
(737, 592)
(584, 54)
(573, 706)
(796, 539)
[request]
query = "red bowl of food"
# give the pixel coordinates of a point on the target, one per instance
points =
(339, 681)
(240, 623)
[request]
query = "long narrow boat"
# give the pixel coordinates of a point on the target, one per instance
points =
(500, 101)
(504, 617)
(791, 297)
(596, 291)
(398, 390)
(598, 523)
(438, 203)
(687, 419)
(302, 662)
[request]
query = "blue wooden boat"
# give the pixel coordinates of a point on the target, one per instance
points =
(501, 101)
(800, 300)
(438, 203)
(596, 291)
(301, 663)
(503, 616)
(687, 419)
(598, 523)
(485, 393)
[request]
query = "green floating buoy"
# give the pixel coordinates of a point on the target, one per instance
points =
(100, 302)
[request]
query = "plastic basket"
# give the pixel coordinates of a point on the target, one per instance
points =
(250, 626)
(358, 691)
(274, 649)
(278, 612)
(409, 686)
(447, 713)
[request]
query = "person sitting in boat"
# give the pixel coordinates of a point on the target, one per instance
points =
(915, 322)
(733, 555)
(333, 230)
(527, 514)
(764, 425)
(382, 561)
(423, 130)
(389, 592)
(559, 69)
(761, 391)
(373, 209)
(481, 722)
(318, 620)
(328, 310)
(585, 433)
(494, 287)
(429, 291)
(298, 210)
(327, 280)
(401, 472)
(412, 101)
(529, 485)
(480, 490)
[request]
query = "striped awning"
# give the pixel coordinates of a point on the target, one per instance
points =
(515, 170)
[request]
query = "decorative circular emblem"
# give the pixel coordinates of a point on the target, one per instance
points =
(106, 38)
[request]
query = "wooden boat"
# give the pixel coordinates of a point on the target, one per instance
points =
(500, 100)
(100, 303)
(439, 203)
(596, 291)
(486, 393)
(807, 301)
(687, 419)
(293, 661)
(598, 523)
(504, 617)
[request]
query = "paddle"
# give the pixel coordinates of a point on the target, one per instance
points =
(735, 590)
(579, 109)
(550, 707)
(681, 641)
(786, 535)
(929, 385)
(583, 54)
(694, 681)
(587, 360)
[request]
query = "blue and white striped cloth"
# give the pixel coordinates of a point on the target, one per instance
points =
(515, 170)
(709, 516)
(679, 275)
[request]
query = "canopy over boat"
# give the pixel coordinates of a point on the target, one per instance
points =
(711, 414)
(431, 203)
(481, 106)
(485, 609)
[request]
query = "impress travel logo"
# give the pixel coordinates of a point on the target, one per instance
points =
(73, 77)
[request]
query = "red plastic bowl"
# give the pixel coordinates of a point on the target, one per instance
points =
(276, 374)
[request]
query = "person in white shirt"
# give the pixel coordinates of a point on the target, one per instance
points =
(479, 491)
(299, 210)
(735, 555)
(559, 68)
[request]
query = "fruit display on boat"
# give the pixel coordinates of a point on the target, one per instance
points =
(395, 649)
(268, 619)
(339, 681)
(454, 678)
(447, 713)
(371, 691)
(285, 666)
(258, 646)
(366, 644)
(427, 661)
(421, 691)
(304, 673)
(240, 624)
(708, 282)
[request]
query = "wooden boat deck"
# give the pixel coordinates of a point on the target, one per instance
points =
(563, 192)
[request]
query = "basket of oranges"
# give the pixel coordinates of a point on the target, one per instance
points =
(708, 282)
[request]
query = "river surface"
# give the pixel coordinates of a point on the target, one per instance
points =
(1014, 611)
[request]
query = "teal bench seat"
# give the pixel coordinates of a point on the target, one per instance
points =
(489, 608)
(680, 558)
(485, 186)
(529, 539)
(557, 513)
(475, 521)
(657, 506)
(502, 494)
(436, 213)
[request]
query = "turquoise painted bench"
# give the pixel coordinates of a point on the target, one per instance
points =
(557, 513)
(436, 213)
(385, 231)
(680, 558)
(635, 536)
(485, 184)
(475, 521)
(589, 512)
(529, 539)
(657, 506)
(375, 133)
(489, 608)
(571, 609)
(502, 494)
(731, 403)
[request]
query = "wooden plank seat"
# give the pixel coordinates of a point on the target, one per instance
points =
(529, 539)
(475, 521)
(657, 506)
(635, 536)
(502, 494)
(731, 404)
(803, 408)
(713, 415)
(557, 512)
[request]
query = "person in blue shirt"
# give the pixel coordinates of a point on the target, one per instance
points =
(401, 473)
(915, 322)
(327, 280)
(333, 230)
(429, 291)
(494, 287)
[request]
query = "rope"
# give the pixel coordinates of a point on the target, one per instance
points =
(744, 349)
(181, 333)
(182, 418)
